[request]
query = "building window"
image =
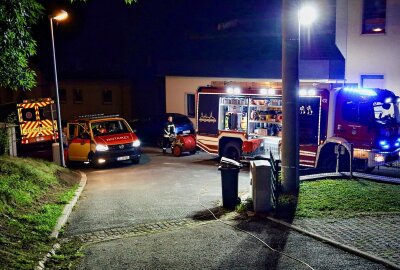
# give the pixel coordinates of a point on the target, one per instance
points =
(62, 95)
(191, 105)
(78, 96)
(372, 81)
(374, 17)
(107, 96)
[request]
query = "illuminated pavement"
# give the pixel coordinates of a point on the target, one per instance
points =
(141, 217)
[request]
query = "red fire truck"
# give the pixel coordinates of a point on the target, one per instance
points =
(247, 123)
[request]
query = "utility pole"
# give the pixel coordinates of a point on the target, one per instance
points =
(290, 96)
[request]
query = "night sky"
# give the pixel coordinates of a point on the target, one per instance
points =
(105, 39)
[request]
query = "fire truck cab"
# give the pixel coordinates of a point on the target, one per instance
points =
(100, 139)
(369, 120)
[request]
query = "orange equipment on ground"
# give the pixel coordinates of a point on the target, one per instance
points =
(184, 143)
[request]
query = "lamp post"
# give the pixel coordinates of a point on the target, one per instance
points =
(62, 15)
(290, 87)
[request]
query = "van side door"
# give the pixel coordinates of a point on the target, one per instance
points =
(78, 141)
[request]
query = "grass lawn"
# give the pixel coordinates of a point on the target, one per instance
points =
(32, 196)
(344, 198)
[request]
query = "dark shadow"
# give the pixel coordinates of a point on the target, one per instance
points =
(204, 215)
(286, 207)
(122, 164)
(275, 235)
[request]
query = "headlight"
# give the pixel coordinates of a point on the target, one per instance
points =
(379, 158)
(136, 143)
(101, 147)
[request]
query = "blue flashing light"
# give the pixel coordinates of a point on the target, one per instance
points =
(397, 144)
(383, 143)
(361, 91)
(388, 100)
(386, 146)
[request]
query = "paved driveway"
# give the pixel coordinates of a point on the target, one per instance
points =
(161, 187)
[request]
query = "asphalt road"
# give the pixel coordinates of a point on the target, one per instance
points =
(161, 187)
(166, 188)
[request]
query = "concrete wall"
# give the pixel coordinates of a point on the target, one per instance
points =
(376, 54)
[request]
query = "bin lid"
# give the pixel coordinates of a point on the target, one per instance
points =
(260, 163)
(227, 162)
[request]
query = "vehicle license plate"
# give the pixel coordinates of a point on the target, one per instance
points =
(123, 158)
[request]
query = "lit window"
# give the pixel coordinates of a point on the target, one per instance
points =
(372, 81)
(107, 96)
(78, 96)
(191, 105)
(374, 17)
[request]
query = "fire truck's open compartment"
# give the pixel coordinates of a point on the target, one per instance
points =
(233, 113)
(258, 117)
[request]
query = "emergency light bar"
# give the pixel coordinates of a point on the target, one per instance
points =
(98, 115)
(361, 91)
(36, 100)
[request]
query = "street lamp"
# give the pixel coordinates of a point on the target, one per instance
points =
(307, 15)
(62, 15)
(290, 87)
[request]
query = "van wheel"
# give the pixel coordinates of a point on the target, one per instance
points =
(92, 162)
(136, 160)
(232, 151)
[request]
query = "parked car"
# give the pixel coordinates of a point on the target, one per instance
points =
(150, 129)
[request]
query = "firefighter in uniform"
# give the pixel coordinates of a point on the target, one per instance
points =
(169, 132)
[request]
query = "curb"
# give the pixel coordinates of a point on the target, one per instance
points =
(68, 208)
(62, 220)
(338, 245)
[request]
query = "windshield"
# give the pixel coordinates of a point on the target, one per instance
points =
(386, 112)
(109, 127)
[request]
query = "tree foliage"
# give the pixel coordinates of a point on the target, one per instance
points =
(16, 42)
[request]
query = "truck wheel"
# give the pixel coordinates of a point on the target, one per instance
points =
(327, 163)
(344, 162)
(232, 150)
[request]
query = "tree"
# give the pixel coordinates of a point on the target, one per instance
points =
(17, 46)
(16, 42)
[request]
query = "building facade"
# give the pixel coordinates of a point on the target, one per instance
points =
(368, 36)
(81, 97)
